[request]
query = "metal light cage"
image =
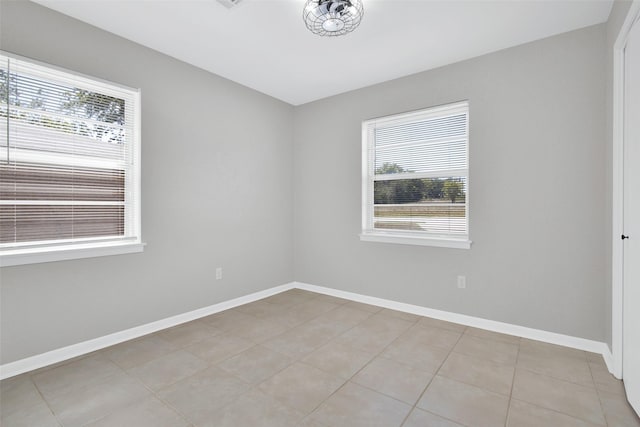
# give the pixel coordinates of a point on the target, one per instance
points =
(332, 17)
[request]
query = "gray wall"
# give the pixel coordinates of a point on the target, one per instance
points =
(614, 24)
(537, 189)
(216, 187)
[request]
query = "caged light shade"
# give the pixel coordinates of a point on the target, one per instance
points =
(332, 17)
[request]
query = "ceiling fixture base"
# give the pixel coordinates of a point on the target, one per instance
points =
(229, 3)
(332, 17)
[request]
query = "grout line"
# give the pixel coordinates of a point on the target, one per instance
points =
(103, 380)
(293, 359)
(46, 402)
(219, 332)
(415, 405)
(513, 381)
(152, 392)
(595, 389)
(598, 394)
(171, 407)
(580, 420)
(348, 380)
(209, 363)
(299, 360)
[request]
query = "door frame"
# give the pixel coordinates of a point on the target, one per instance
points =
(617, 285)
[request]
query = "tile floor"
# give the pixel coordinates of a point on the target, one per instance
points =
(304, 359)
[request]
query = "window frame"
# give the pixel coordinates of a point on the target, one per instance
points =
(371, 234)
(39, 252)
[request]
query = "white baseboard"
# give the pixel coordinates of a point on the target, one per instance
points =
(61, 354)
(608, 360)
(477, 322)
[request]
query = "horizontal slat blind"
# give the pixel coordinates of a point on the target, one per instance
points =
(418, 172)
(424, 156)
(42, 182)
(58, 222)
(67, 157)
(426, 145)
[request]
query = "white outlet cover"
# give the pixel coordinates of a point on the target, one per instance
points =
(462, 282)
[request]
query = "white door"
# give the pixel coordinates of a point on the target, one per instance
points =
(631, 221)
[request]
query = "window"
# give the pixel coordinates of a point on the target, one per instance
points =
(69, 165)
(415, 177)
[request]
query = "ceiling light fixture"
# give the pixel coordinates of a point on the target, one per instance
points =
(332, 17)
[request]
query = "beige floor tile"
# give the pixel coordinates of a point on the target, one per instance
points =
(617, 411)
(595, 358)
(400, 315)
(261, 308)
(304, 292)
(255, 364)
(64, 362)
(259, 331)
(199, 397)
(342, 318)
(302, 340)
(420, 418)
(188, 333)
(442, 324)
(562, 396)
(329, 298)
(289, 298)
(18, 394)
(303, 312)
(490, 335)
(394, 379)
(434, 337)
(254, 409)
(218, 348)
(168, 369)
(89, 403)
(139, 351)
(562, 367)
(376, 332)
(465, 404)
(310, 422)
(227, 320)
(419, 355)
(38, 415)
(538, 348)
(478, 372)
(338, 358)
(522, 414)
(495, 351)
(364, 307)
(605, 381)
(149, 412)
(315, 307)
(83, 372)
(357, 406)
(301, 387)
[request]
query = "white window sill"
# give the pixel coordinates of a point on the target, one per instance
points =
(441, 242)
(67, 252)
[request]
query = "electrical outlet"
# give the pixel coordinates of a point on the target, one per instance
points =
(219, 273)
(462, 282)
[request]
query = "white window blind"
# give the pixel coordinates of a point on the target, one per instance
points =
(415, 180)
(69, 158)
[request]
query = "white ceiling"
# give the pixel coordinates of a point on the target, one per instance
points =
(263, 44)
